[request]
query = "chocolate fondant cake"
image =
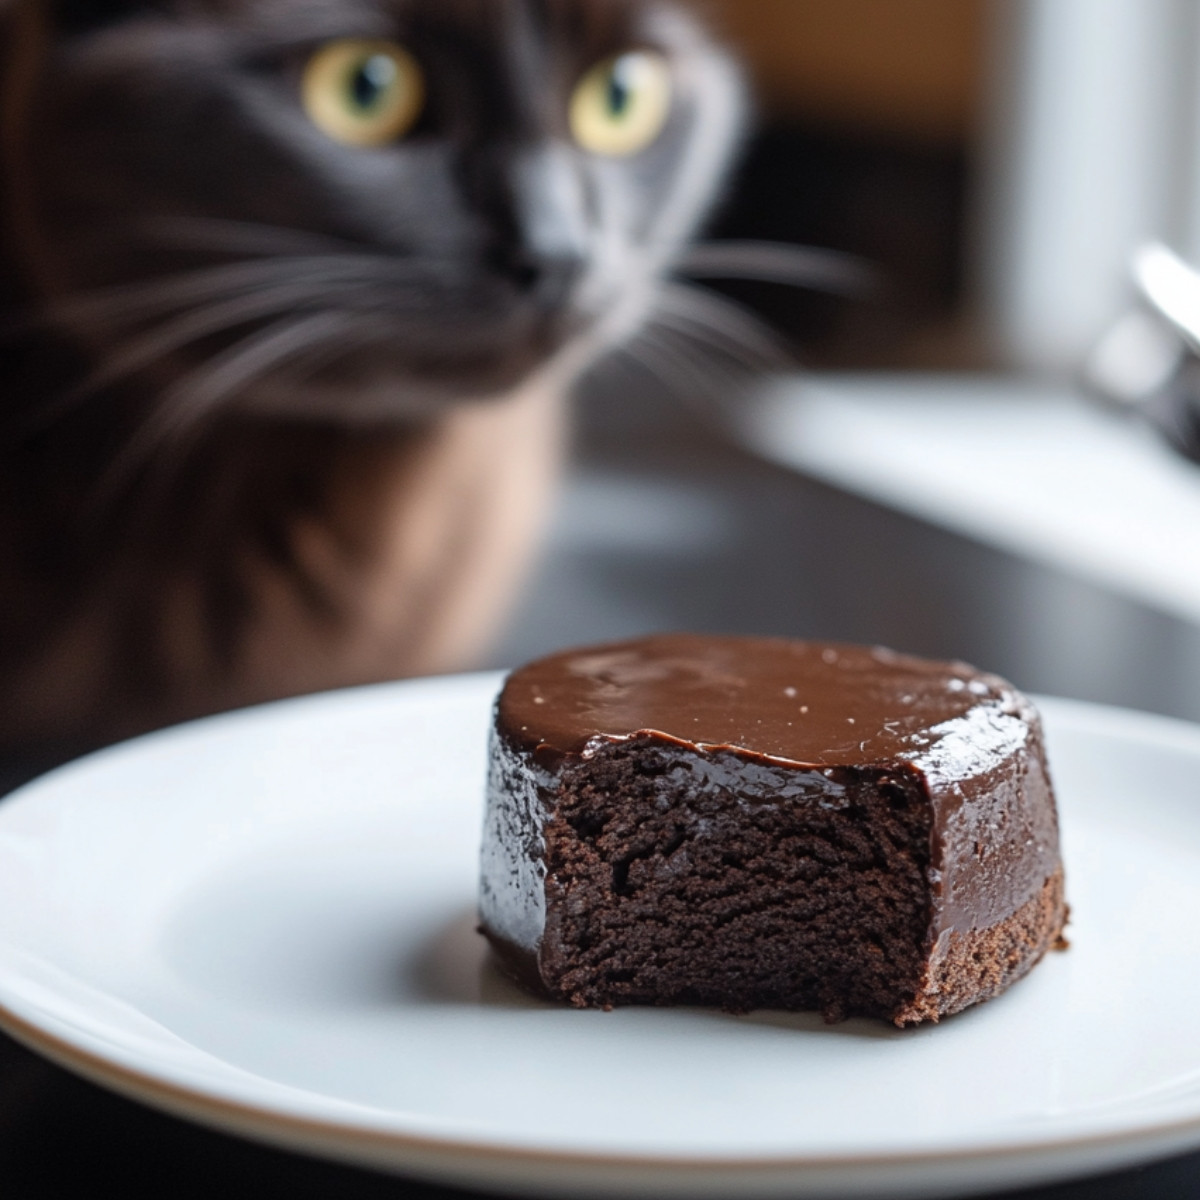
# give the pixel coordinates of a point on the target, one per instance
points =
(765, 823)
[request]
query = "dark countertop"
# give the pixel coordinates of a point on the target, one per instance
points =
(663, 526)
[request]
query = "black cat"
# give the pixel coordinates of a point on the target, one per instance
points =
(295, 290)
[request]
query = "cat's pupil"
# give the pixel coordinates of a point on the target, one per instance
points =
(372, 80)
(620, 91)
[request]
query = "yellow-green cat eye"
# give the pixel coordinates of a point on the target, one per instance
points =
(363, 92)
(621, 105)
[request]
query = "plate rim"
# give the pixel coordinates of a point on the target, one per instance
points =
(397, 1150)
(133, 1082)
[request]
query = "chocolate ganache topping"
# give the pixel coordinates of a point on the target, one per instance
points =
(820, 713)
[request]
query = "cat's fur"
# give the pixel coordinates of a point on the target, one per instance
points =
(278, 414)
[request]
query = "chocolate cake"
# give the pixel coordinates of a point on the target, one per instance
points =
(755, 823)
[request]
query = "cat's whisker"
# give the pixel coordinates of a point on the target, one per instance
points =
(679, 372)
(733, 328)
(640, 356)
(158, 340)
(199, 394)
(134, 301)
(363, 335)
(722, 374)
(208, 321)
(780, 262)
(703, 348)
(719, 347)
(188, 405)
(131, 302)
(250, 237)
(214, 301)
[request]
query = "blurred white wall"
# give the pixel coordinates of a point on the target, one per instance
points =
(1090, 148)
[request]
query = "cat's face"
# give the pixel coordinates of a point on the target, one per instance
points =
(357, 207)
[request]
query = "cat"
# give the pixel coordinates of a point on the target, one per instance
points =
(296, 290)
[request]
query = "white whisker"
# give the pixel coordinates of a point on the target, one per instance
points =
(778, 262)
(736, 331)
(188, 405)
(136, 301)
(199, 323)
(249, 237)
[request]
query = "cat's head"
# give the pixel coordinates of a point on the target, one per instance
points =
(356, 208)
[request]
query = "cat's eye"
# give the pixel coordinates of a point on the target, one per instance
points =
(621, 105)
(363, 92)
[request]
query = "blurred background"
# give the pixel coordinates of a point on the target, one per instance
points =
(935, 478)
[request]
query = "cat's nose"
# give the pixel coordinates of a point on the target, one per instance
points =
(545, 278)
(550, 228)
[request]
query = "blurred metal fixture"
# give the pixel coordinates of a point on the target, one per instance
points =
(1149, 361)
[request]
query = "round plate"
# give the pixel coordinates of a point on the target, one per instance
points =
(265, 922)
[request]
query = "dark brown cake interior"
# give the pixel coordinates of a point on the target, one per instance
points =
(712, 879)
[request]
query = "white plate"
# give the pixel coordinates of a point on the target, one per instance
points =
(265, 922)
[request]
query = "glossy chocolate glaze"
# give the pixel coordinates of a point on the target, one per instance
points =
(815, 714)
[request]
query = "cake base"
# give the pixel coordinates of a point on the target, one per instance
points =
(974, 967)
(978, 965)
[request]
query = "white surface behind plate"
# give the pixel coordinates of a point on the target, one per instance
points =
(1032, 469)
(275, 910)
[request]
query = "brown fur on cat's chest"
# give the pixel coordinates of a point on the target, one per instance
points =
(397, 559)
